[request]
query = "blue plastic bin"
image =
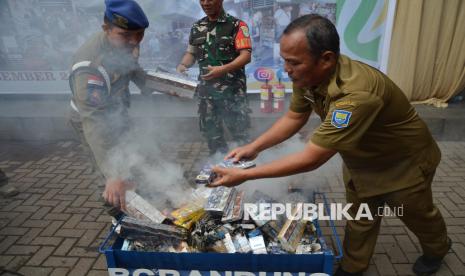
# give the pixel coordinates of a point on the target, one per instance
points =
(121, 262)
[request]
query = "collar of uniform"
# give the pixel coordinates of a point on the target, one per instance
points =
(221, 18)
(321, 89)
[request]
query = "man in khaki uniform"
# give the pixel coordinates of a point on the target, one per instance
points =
(389, 154)
(99, 80)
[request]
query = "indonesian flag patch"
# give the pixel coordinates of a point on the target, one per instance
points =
(96, 91)
(95, 80)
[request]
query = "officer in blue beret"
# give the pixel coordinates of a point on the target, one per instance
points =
(126, 14)
(99, 80)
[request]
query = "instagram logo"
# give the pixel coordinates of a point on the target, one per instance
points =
(264, 74)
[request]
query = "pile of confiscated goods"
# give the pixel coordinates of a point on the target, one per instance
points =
(214, 221)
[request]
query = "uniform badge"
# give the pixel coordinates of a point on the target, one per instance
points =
(340, 118)
(120, 21)
(245, 31)
(96, 93)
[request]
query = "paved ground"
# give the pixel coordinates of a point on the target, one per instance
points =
(55, 224)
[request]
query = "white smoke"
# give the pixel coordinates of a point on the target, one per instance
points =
(141, 155)
(278, 188)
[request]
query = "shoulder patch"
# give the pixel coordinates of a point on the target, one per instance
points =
(340, 118)
(242, 40)
(95, 80)
(245, 31)
(96, 91)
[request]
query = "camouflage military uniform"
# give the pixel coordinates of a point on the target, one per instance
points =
(223, 99)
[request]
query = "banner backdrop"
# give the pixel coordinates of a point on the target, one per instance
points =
(39, 37)
(364, 27)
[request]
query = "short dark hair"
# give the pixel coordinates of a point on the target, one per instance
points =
(320, 32)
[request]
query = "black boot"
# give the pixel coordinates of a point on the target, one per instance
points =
(425, 265)
(341, 272)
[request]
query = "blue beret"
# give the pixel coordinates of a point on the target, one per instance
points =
(126, 14)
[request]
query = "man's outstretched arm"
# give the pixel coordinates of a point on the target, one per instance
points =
(312, 157)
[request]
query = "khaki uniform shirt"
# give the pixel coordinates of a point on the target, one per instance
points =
(383, 142)
(103, 113)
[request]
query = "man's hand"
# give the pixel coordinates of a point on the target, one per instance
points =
(247, 152)
(115, 192)
(214, 72)
(228, 177)
(182, 69)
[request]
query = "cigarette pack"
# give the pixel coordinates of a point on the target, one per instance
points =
(218, 201)
(173, 84)
(134, 229)
(292, 231)
(139, 208)
(188, 211)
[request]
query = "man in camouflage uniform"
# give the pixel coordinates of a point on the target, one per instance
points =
(99, 80)
(221, 44)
